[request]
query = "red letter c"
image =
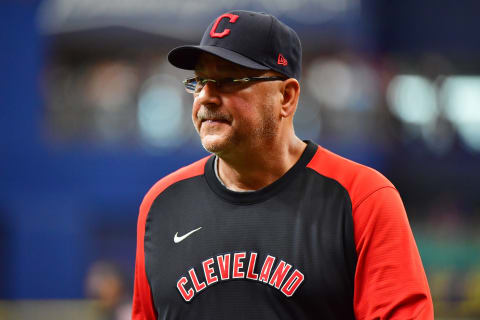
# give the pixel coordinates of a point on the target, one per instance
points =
(187, 295)
(214, 33)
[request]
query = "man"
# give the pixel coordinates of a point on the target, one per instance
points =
(269, 226)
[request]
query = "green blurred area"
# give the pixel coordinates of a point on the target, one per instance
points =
(451, 258)
(58, 310)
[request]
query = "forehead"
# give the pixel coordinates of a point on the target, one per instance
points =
(209, 64)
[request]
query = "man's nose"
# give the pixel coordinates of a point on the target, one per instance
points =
(208, 94)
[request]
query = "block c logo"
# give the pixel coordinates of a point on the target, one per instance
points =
(232, 19)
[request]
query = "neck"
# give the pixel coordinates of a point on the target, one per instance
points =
(259, 166)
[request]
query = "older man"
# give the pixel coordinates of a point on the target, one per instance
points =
(269, 226)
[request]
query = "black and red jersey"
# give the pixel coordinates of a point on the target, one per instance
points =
(330, 239)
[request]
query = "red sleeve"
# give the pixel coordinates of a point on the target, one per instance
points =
(143, 305)
(390, 282)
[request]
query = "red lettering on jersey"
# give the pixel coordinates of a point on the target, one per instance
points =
(266, 269)
(276, 278)
(214, 34)
(208, 271)
(224, 266)
(281, 60)
(198, 286)
(251, 266)
(237, 265)
(279, 274)
(187, 295)
(296, 278)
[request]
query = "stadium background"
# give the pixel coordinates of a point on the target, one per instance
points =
(91, 115)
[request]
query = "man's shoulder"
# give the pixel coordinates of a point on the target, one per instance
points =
(192, 170)
(359, 180)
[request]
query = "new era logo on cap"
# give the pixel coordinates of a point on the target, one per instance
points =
(251, 39)
(281, 60)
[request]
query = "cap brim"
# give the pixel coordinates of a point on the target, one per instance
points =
(186, 57)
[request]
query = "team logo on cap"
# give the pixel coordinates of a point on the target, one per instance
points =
(214, 34)
(281, 60)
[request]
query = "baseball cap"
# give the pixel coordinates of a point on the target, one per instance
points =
(251, 39)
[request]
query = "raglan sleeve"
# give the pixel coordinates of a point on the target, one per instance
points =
(390, 282)
(142, 305)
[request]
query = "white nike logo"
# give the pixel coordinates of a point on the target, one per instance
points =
(178, 239)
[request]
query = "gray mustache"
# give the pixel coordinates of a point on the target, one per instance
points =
(205, 114)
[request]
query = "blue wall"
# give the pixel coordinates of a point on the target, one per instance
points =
(61, 208)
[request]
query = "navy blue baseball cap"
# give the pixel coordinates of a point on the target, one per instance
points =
(250, 39)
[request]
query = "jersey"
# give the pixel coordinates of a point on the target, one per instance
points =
(330, 239)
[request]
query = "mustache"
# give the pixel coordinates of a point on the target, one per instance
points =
(206, 114)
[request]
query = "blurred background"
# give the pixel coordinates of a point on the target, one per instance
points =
(92, 115)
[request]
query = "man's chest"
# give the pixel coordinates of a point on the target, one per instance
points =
(291, 251)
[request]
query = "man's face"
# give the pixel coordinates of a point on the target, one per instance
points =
(234, 120)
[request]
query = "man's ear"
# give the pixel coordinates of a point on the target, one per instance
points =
(291, 93)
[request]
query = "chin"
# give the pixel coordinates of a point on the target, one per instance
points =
(214, 144)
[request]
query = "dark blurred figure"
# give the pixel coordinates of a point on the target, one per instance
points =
(106, 283)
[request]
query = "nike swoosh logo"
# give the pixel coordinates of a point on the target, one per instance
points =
(178, 239)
